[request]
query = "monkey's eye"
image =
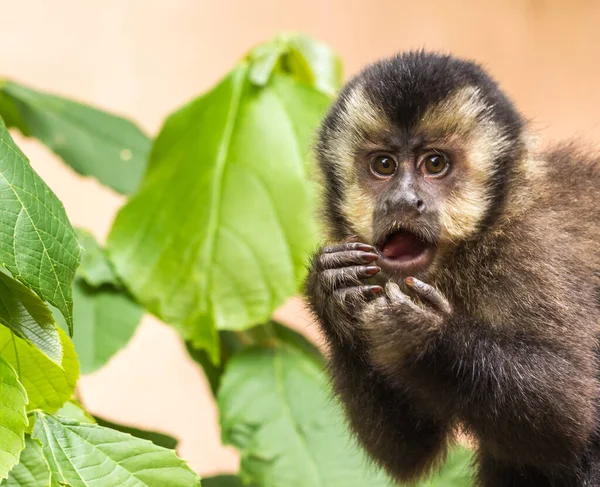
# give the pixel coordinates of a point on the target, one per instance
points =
(435, 164)
(383, 165)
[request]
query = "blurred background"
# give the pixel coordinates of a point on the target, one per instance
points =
(144, 58)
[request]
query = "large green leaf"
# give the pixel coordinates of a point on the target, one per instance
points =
(304, 58)
(73, 410)
(159, 439)
(48, 384)
(109, 148)
(37, 243)
(83, 455)
(106, 319)
(314, 62)
(28, 317)
(13, 418)
(220, 230)
(276, 408)
(32, 470)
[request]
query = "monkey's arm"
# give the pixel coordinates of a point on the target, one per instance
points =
(528, 399)
(523, 396)
(394, 429)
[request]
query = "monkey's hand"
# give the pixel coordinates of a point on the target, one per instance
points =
(398, 326)
(337, 289)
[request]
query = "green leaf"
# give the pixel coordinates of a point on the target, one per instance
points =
(32, 470)
(457, 471)
(223, 481)
(9, 111)
(28, 317)
(159, 439)
(81, 455)
(264, 59)
(306, 59)
(37, 243)
(48, 384)
(105, 315)
(315, 63)
(95, 267)
(109, 148)
(13, 418)
(276, 408)
(230, 343)
(220, 230)
(106, 319)
(74, 410)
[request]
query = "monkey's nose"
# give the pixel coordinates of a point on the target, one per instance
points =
(407, 204)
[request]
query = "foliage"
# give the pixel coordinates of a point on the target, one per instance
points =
(14, 419)
(276, 409)
(91, 141)
(79, 454)
(214, 236)
(173, 249)
(37, 244)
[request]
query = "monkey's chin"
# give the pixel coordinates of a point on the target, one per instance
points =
(405, 254)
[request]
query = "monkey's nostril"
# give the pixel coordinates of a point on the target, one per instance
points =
(420, 205)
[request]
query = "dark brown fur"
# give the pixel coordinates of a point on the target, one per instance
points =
(515, 362)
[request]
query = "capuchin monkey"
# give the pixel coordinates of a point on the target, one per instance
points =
(459, 288)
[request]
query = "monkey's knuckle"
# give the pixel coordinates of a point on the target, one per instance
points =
(320, 262)
(327, 261)
(328, 278)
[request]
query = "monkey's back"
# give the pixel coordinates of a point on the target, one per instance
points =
(571, 196)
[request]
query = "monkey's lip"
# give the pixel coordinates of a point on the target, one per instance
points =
(406, 252)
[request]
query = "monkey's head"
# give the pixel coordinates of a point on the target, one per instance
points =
(416, 155)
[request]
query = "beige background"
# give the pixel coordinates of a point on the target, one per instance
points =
(143, 58)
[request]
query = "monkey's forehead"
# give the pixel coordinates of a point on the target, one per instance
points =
(400, 91)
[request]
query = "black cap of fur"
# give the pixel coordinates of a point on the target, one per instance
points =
(404, 86)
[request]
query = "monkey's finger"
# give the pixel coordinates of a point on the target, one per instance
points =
(345, 259)
(429, 294)
(357, 294)
(393, 292)
(349, 246)
(346, 276)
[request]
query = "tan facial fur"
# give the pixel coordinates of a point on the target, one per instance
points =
(464, 119)
(360, 120)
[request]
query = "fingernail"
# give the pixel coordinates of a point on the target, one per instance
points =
(372, 270)
(375, 289)
(410, 281)
(368, 257)
(365, 247)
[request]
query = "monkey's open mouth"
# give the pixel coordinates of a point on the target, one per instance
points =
(406, 252)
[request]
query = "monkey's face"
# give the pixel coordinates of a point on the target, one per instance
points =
(410, 173)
